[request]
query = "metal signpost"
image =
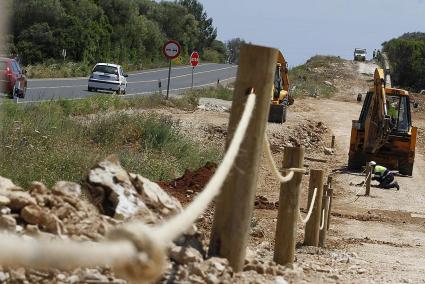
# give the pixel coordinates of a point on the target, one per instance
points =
(171, 50)
(194, 61)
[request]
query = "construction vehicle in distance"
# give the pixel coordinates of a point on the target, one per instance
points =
(360, 54)
(384, 131)
(281, 97)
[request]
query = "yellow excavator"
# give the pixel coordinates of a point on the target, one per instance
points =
(281, 97)
(384, 131)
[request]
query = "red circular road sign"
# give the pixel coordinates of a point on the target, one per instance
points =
(171, 49)
(194, 59)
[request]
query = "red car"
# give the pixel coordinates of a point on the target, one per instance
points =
(12, 78)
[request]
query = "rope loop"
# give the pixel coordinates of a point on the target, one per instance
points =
(310, 210)
(274, 168)
(150, 260)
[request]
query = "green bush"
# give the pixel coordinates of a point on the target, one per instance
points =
(407, 60)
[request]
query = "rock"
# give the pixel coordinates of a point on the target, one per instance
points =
(113, 193)
(67, 188)
(257, 232)
(19, 199)
(32, 214)
(328, 83)
(280, 280)
(155, 197)
(35, 215)
(4, 201)
(185, 255)
(334, 277)
(73, 279)
(5, 210)
(260, 269)
(6, 184)
(18, 274)
(37, 188)
(7, 222)
(3, 276)
(212, 279)
(271, 270)
(328, 151)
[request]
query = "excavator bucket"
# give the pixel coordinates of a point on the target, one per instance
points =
(277, 113)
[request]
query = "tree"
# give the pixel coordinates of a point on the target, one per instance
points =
(407, 59)
(206, 30)
(233, 48)
(121, 31)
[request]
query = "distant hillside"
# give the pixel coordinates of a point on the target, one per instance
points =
(407, 59)
(110, 30)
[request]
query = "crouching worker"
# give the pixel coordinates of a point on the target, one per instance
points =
(384, 176)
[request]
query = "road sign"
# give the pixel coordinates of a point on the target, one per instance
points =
(171, 49)
(194, 59)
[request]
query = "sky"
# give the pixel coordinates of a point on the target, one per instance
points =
(303, 28)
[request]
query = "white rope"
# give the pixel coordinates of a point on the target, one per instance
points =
(272, 163)
(274, 168)
(313, 199)
(135, 251)
(322, 223)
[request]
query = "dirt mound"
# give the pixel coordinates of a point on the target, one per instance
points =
(185, 187)
(261, 202)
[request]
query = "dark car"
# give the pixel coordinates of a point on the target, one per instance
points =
(12, 78)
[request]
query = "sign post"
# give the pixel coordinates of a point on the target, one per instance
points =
(171, 50)
(194, 61)
(64, 54)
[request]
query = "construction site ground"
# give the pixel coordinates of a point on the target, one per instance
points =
(375, 239)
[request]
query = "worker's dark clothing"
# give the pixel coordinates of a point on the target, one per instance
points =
(384, 177)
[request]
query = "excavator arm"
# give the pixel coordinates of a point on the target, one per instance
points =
(377, 123)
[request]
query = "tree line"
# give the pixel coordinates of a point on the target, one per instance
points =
(407, 59)
(124, 31)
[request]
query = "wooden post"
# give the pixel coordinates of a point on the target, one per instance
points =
(311, 237)
(235, 204)
(322, 234)
(368, 178)
(330, 193)
(333, 142)
(286, 227)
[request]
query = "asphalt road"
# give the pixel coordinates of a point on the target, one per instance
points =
(139, 83)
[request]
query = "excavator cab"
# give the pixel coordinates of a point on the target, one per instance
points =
(384, 132)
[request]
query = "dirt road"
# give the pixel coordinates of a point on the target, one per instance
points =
(393, 246)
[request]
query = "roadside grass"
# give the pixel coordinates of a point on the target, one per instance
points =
(219, 92)
(45, 142)
(310, 77)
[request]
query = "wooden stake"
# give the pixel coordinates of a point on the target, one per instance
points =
(236, 202)
(311, 237)
(333, 142)
(322, 234)
(286, 227)
(368, 179)
(330, 193)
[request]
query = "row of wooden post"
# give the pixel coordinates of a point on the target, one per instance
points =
(234, 206)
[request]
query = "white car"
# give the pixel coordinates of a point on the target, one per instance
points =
(108, 77)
